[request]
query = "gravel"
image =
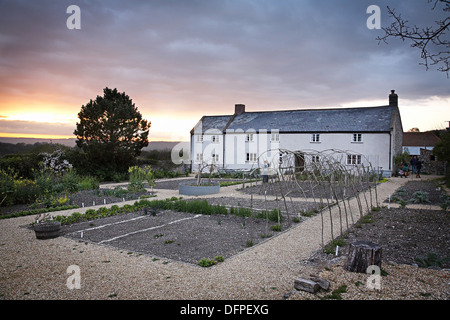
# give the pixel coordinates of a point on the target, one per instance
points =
(37, 269)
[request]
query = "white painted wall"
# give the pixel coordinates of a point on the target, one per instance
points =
(233, 147)
(375, 146)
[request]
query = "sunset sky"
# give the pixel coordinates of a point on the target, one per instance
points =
(180, 60)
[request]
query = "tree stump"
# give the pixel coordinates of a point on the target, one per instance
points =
(363, 254)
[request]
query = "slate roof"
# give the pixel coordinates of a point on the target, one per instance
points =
(419, 139)
(369, 119)
(212, 122)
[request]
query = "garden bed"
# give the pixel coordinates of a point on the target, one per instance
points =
(304, 189)
(294, 207)
(407, 236)
(87, 198)
(434, 192)
(180, 236)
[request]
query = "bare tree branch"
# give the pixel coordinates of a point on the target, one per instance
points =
(433, 41)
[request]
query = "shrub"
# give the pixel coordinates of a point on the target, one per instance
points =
(138, 176)
(25, 191)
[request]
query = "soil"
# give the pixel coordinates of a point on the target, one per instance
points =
(435, 192)
(306, 189)
(175, 235)
(406, 235)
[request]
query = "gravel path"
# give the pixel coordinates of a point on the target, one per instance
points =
(36, 269)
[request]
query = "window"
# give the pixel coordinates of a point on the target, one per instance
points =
(275, 137)
(357, 137)
(251, 157)
(215, 157)
(353, 159)
(199, 138)
(249, 137)
(199, 157)
(315, 159)
(215, 139)
(315, 137)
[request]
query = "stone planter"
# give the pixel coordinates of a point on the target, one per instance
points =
(47, 229)
(190, 189)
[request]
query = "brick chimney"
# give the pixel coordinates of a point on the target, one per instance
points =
(393, 99)
(239, 109)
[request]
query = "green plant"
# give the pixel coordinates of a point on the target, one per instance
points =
(366, 219)
(111, 132)
(206, 262)
(431, 260)
(336, 294)
(308, 213)
(420, 197)
(138, 176)
(401, 192)
(402, 203)
(219, 259)
(331, 246)
(276, 227)
(446, 202)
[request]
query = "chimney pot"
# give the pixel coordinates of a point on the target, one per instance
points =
(239, 109)
(393, 99)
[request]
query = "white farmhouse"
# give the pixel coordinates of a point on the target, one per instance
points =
(245, 139)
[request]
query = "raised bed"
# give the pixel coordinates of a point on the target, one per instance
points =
(192, 189)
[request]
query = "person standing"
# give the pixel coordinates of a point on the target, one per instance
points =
(418, 167)
(413, 163)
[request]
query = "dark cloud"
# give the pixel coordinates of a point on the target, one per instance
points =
(211, 54)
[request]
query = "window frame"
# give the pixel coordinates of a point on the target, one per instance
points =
(274, 137)
(251, 157)
(354, 159)
(315, 138)
(357, 138)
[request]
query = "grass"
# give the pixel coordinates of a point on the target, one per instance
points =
(331, 247)
(336, 294)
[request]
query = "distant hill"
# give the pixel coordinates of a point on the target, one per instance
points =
(9, 145)
(66, 142)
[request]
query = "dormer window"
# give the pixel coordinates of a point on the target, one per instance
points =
(315, 137)
(357, 137)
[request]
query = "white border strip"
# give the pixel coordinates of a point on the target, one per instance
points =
(144, 230)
